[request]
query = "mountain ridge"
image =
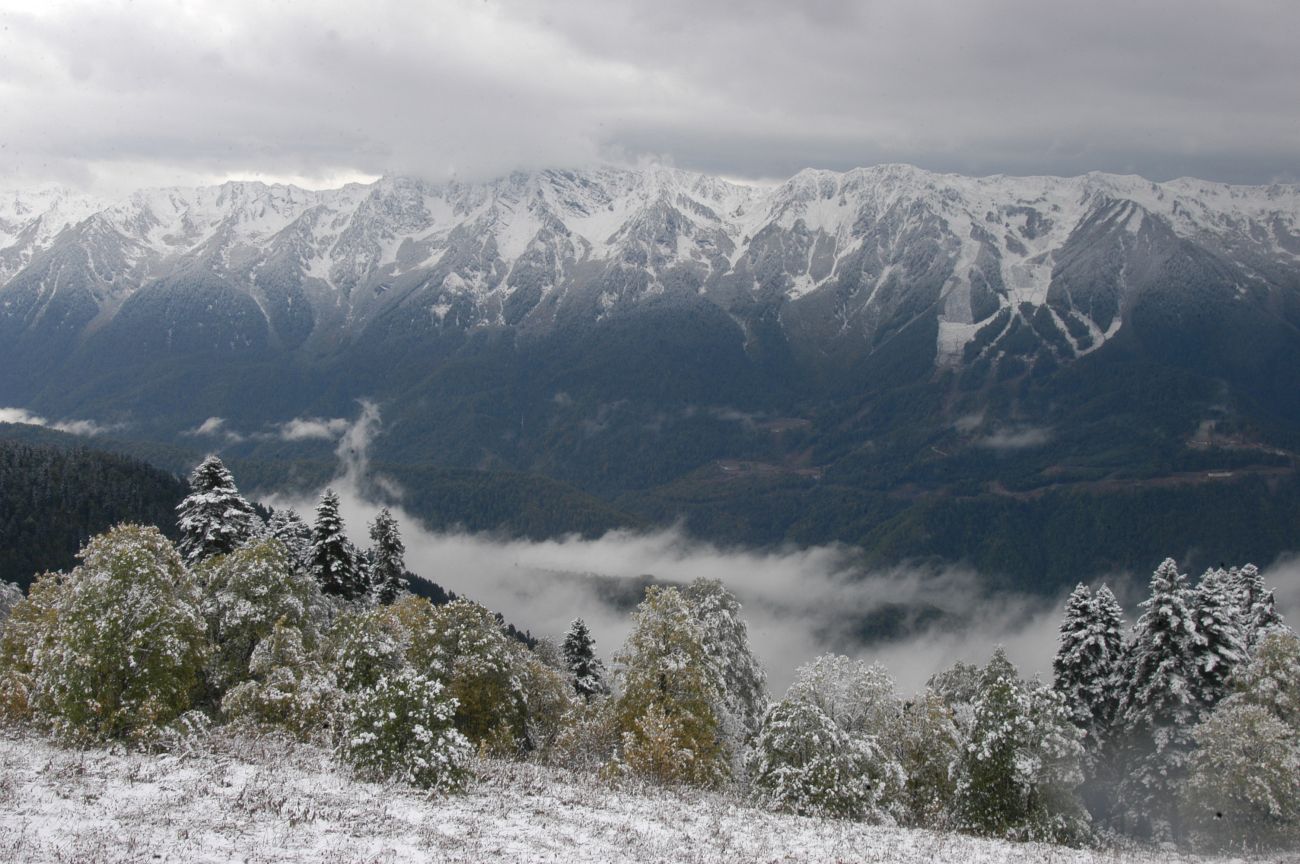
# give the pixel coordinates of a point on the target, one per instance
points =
(874, 356)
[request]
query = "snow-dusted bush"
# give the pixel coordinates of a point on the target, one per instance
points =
(128, 642)
(364, 646)
(588, 737)
(245, 594)
(462, 645)
(668, 703)
(805, 763)
(548, 698)
(288, 688)
(10, 596)
(28, 633)
(402, 728)
(930, 748)
(1243, 789)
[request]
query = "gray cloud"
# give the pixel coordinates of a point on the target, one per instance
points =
(153, 92)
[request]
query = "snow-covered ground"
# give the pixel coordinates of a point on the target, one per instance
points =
(243, 800)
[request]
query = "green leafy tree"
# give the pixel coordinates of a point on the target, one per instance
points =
(462, 645)
(668, 702)
(287, 688)
(129, 639)
(860, 699)
(930, 752)
(1243, 786)
(739, 675)
(1021, 765)
(27, 637)
(245, 594)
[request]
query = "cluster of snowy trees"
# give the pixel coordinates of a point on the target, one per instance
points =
(1189, 724)
(1186, 727)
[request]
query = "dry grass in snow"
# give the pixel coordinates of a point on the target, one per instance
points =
(263, 800)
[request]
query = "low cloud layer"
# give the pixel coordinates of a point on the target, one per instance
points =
(157, 93)
(297, 429)
(72, 427)
(799, 602)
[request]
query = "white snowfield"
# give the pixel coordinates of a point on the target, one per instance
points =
(261, 800)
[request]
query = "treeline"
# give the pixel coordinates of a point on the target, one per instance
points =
(1185, 728)
(53, 500)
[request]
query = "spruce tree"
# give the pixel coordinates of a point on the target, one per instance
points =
(1220, 644)
(583, 664)
(333, 562)
(1160, 705)
(387, 559)
(214, 518)
(1259, 615)
(1110, 617)
(1087, 663)
(289, 528)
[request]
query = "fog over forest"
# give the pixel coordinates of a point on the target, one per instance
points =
(799, 602)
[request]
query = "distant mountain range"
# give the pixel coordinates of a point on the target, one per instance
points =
(812, 360)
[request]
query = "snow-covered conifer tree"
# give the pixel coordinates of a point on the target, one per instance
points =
(1219, 644)
(1259, 613)
(581, 660)
(333, 561)
(289, 528)
(387, 559)
(1087, 662)
(1160, 705)
(214, 518)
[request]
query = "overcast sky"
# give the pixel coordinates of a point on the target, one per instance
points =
(110, 93)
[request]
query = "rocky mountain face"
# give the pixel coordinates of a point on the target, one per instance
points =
(614, 281)
(833, 264)
(631, 330)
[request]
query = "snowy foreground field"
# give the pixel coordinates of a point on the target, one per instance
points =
(259, 801)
